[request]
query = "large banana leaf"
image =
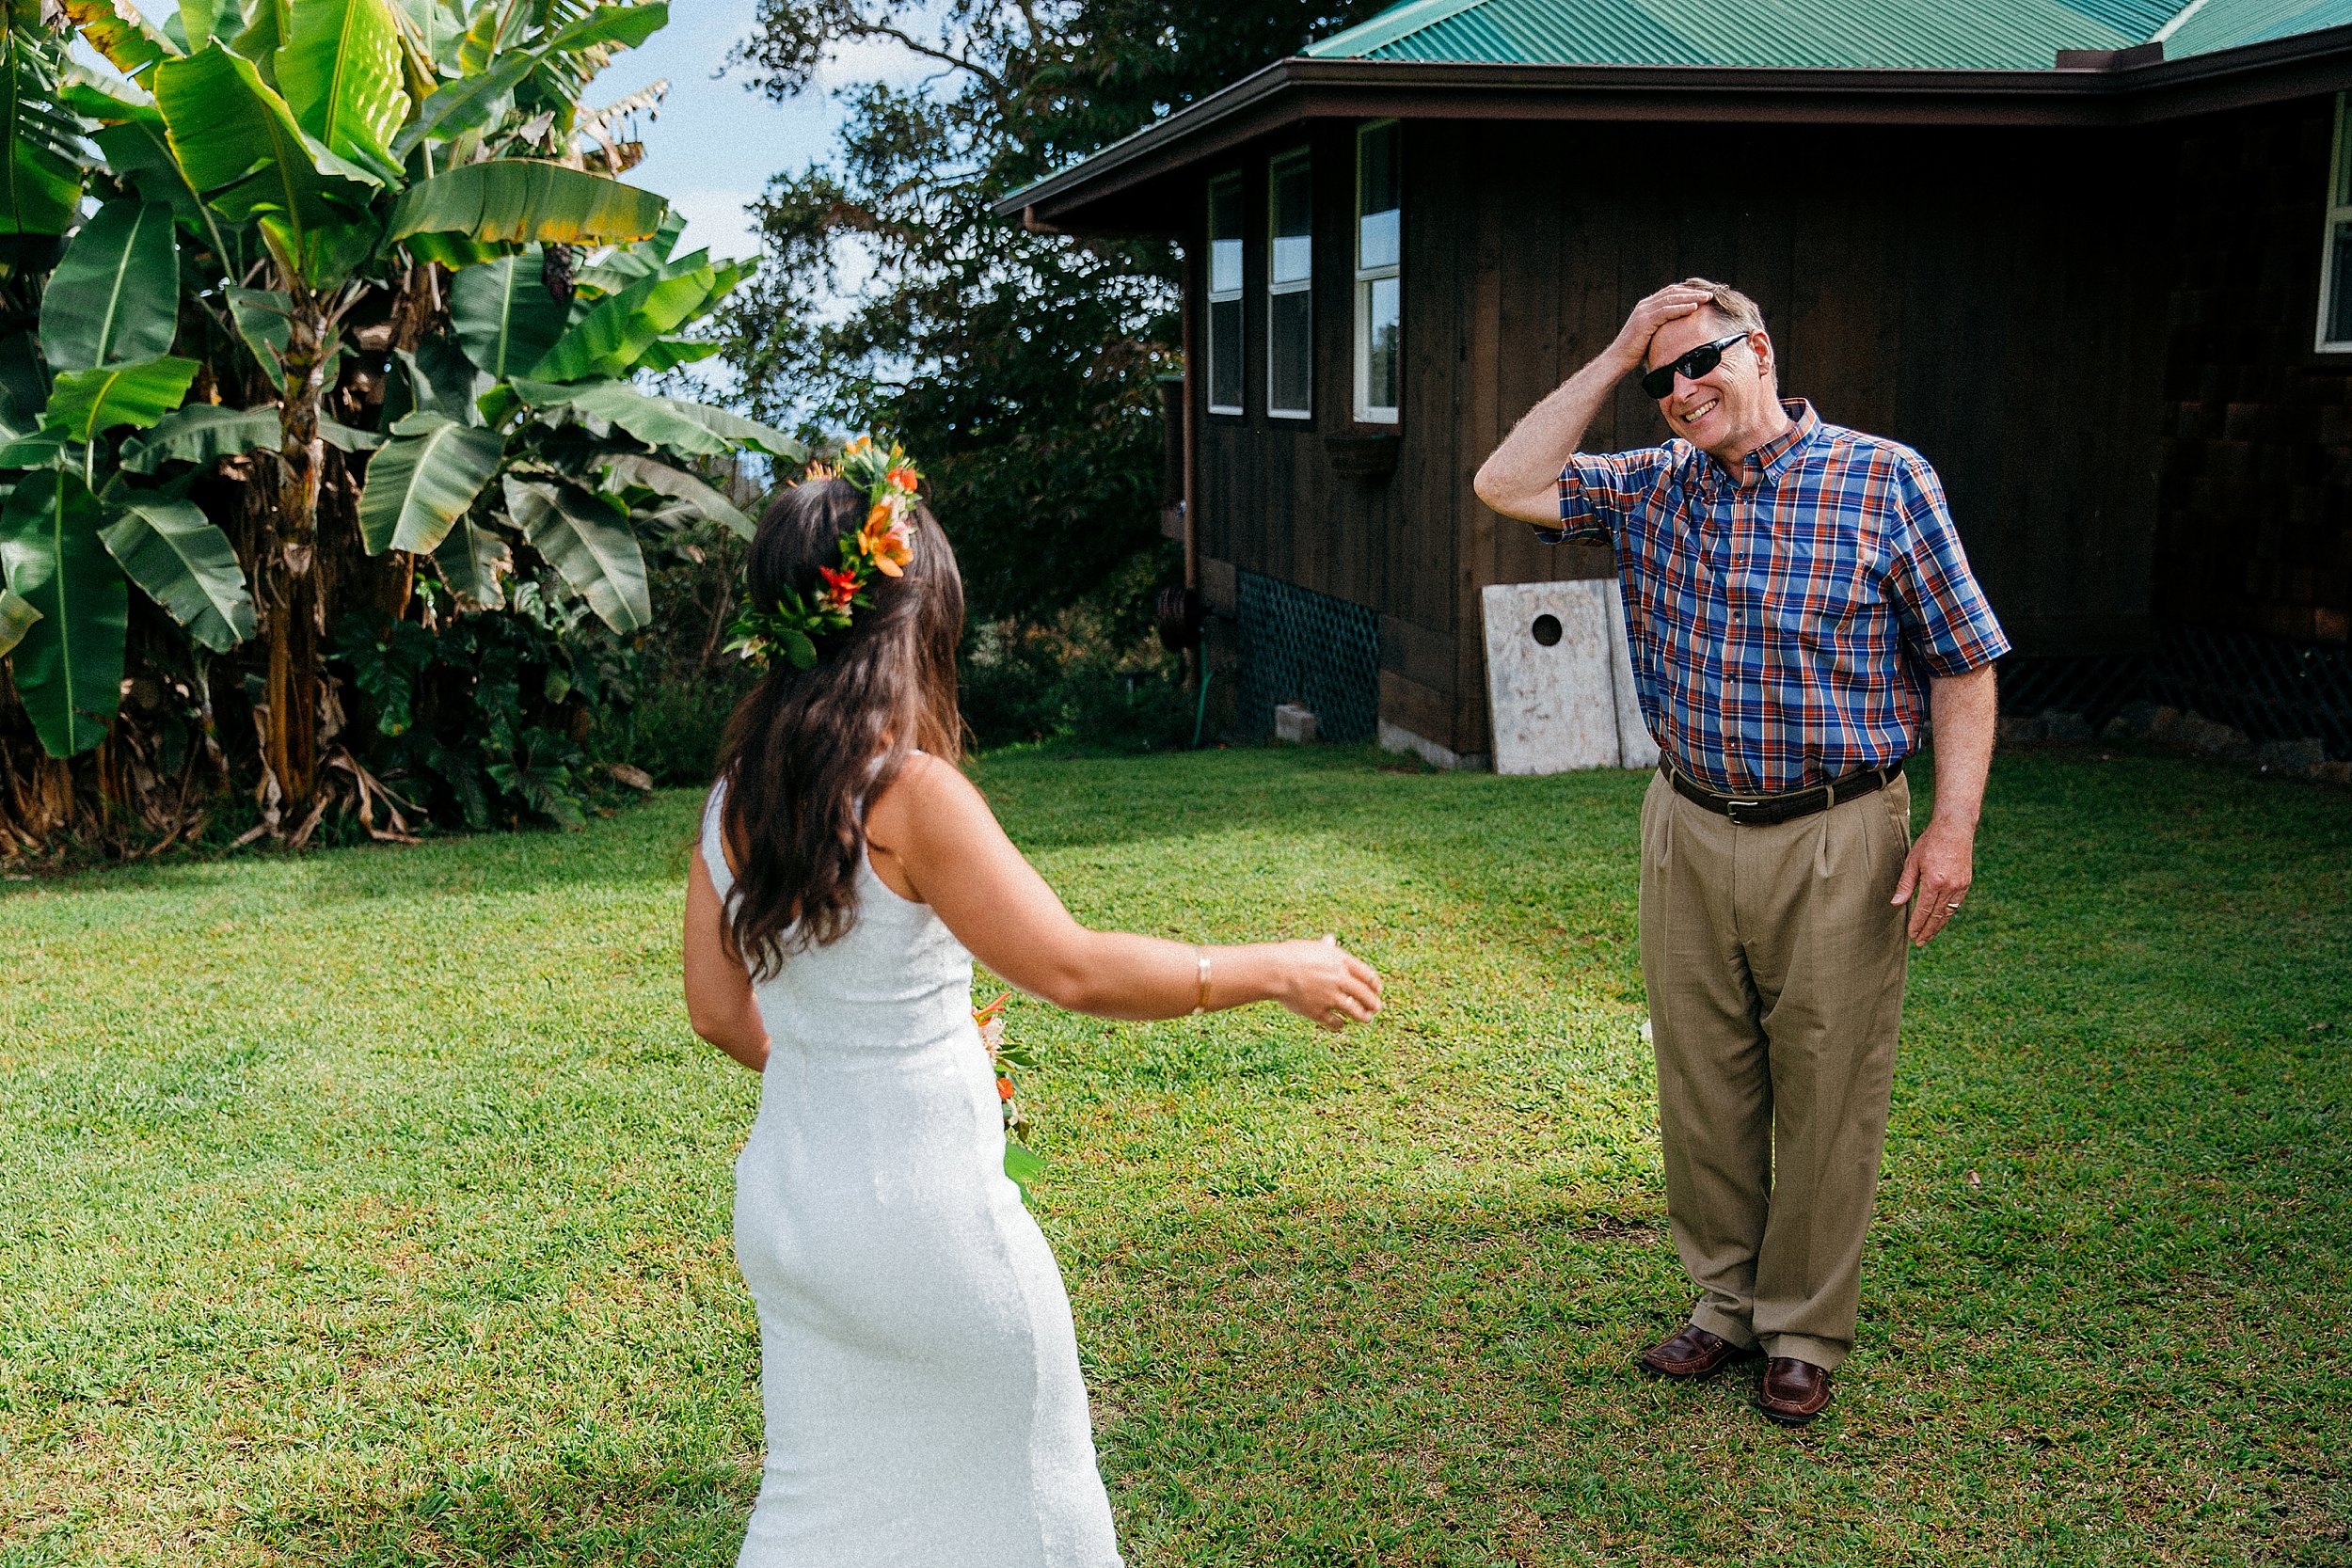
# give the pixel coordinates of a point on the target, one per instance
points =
(475, 563)
(16, 618)
(690, 495)
(340, 71)
(138, 149)
(204, 433)
(656, 422)
(68, 663)
(23, 387)
(586, 538)
(186, 564)
(741, 431)
(115, 298)
(239, 145)
(116, 30)
(469, 104)
(518, 200)
(608, 340)
(266, 25)
(502, 314)
(424, 480)
(41, 179)
(85, 405)
(624, 26)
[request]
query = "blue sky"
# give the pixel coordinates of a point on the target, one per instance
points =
(717, 141)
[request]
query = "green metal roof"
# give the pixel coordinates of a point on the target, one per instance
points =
(1918, 35)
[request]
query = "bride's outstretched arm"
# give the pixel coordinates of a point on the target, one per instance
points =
(933, 832)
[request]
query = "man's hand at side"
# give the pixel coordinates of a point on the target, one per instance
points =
(1518, 478)
(1942, 862)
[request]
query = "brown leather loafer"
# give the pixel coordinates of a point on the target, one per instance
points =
(1793, 1391)
(1692, 1354)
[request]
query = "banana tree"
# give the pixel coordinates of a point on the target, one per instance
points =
(75, 530)
(323, 153)
(535, 392)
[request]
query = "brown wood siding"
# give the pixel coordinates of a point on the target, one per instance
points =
(1992, 297)
(2255, 516)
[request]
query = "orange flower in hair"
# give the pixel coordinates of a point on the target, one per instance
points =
(886, 545)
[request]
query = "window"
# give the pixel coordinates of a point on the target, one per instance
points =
(1290, 324)
(1379, 295)
(1224, 295)
(2335, 258)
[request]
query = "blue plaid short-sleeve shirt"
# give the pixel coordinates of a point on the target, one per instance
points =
(1783, 629)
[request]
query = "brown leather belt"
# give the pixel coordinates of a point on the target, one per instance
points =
(1763, 810)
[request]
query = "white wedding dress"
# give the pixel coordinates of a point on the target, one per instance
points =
(920, 1371)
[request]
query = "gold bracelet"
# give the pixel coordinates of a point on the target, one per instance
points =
(1201, 1004)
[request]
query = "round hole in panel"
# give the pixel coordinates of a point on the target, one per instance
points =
(1545, 630)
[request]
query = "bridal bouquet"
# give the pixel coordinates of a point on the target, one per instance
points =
(1020, 1163)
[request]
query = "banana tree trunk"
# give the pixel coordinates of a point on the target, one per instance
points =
(291, 740)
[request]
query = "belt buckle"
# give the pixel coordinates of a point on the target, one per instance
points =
(1734, 809)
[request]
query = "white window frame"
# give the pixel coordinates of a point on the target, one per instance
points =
(1289, 286)
(1368, 412)
(1234, 294)
(2338, 212)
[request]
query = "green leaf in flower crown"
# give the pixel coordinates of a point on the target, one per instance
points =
(587, 539)
(502, 314)
(340, 71)
(16, 618)
(86, 404)
(520, 201)
(423, 481)
(68, 663)
(186, 564)
(115, 298)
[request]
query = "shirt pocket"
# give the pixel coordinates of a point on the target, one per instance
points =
(1822, 598)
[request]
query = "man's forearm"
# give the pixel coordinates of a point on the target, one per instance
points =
(1965, 709)
(1518, 477)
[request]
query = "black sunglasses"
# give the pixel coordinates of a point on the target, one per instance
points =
(1696, 363)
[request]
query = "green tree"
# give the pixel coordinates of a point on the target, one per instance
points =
(1020, 367)
(368, 207)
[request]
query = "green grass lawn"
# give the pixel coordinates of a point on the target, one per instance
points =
(371, 1207)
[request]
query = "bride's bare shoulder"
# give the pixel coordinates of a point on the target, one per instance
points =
(926, 789)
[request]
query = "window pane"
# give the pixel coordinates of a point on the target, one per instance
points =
(2343, 164)
(1225, 208)
(1292, 215)
(1376, 239)
(1292, 351)
(1378, 186)
(1225, 354)
(2340, 286)
(1225, 266)
(1381, 369)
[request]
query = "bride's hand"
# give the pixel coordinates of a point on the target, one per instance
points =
(1325, 984)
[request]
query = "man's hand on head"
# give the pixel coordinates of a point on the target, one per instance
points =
(1671, 303)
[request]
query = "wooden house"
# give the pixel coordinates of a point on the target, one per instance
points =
(2092, 257)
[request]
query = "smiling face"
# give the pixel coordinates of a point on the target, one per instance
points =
(1733, 408)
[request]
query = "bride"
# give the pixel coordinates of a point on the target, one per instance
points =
(919, 1368)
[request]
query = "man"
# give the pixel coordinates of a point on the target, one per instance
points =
(1798, 602)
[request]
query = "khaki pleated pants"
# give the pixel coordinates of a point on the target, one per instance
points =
(1775, 971)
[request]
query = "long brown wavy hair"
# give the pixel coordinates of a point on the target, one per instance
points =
(806, 748)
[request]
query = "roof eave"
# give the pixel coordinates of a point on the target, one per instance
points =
(1300, 89)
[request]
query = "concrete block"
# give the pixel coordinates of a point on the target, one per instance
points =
(1295, 723)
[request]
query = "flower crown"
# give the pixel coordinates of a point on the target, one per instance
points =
(885, 543)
